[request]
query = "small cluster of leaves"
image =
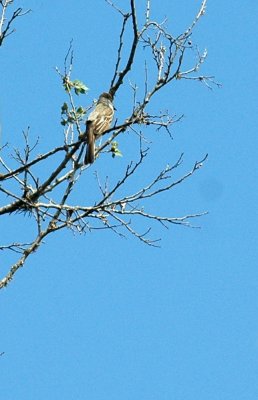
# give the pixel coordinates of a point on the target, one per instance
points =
(78, 86)
(71, 116)
(115, 150)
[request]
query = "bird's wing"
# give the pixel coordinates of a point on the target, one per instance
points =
(101, 119)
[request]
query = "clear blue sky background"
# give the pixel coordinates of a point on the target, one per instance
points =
(97, 317)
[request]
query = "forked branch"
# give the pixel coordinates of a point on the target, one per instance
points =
(41, 186)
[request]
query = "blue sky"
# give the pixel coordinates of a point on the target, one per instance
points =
(98, 317)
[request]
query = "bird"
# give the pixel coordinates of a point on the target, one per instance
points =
(97, 123)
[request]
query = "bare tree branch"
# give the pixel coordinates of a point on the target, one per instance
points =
(7, 22)
(45, 198)
(130, 60)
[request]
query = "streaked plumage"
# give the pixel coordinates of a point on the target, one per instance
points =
(97, 123)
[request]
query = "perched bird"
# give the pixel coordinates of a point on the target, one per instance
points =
(97, 123)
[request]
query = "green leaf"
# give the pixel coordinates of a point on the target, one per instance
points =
(64, 108)
(79, 87)
(118, 153)
(63, 122)
(80, 110)
(115, 150)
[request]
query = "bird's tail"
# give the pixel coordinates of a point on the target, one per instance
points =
(90, 151)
